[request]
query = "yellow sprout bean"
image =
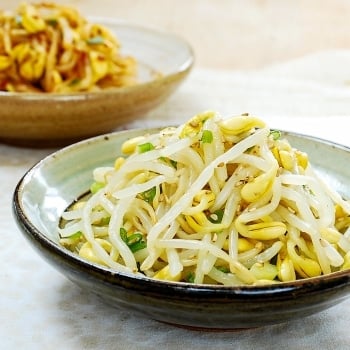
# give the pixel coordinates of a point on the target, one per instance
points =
(310, 267)
(306, 267)
(284, 145)
(240, 124)
(302, 159)
(204, 195)
(339, 212)
(194, 125)
(164, 274)
(244, 245)
(31, 21)
(265, 271)
(276, 154)
(31, 62)
(255, 189)
(200, 223)
(184, 225)
(56, 77)
(261, 230)
(346, 264)
(21, 52)
(5, 62)
(119, 162)
(285, 269)
(99, 65)
(287, 160)
(129, 146)
(87, 252)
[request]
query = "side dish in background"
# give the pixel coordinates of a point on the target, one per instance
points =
(91, 92)
(46, 47)
(213, 201)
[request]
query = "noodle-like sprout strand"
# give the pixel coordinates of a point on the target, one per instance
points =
(213, 201)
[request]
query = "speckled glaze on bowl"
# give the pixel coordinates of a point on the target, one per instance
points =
(54, 183)
(29, 119)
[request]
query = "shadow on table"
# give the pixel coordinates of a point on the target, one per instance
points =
(91, 324)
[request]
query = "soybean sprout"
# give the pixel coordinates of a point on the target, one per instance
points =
(213, 201)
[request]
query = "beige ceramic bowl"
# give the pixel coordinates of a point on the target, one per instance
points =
(54, 119)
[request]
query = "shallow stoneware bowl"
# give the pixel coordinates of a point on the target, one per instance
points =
(59, 119)
(54, 183)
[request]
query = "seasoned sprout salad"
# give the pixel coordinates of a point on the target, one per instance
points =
(46, 47)
(213, 201)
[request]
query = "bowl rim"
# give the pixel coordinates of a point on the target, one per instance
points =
(184, 68)
(137, 282)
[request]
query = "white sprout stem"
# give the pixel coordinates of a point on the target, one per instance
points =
(199, 183)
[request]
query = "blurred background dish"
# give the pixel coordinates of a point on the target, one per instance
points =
(51, 119)
(53, 184)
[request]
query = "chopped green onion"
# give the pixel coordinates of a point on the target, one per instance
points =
(216, 217)
(173, 163)
(223, 269)
(96, 186)
(52, 22)
(74, 81)
(134, 238)
(149, 195)
(135, 241)
(104, 221)
(134, 247)
(123, 234)
(276, 134)
(207, 136)
(75, 235)
(96, 40)
(145, 147)
(190, 277)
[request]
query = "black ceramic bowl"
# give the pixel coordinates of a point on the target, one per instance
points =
(51, 186)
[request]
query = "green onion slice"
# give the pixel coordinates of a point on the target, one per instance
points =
(207, 136)
(216, 217)
(276, 134)
(145, 147)
(135, 241)
(96, 186)
(149, 195)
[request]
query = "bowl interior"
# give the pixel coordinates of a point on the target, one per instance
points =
(55, 182)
